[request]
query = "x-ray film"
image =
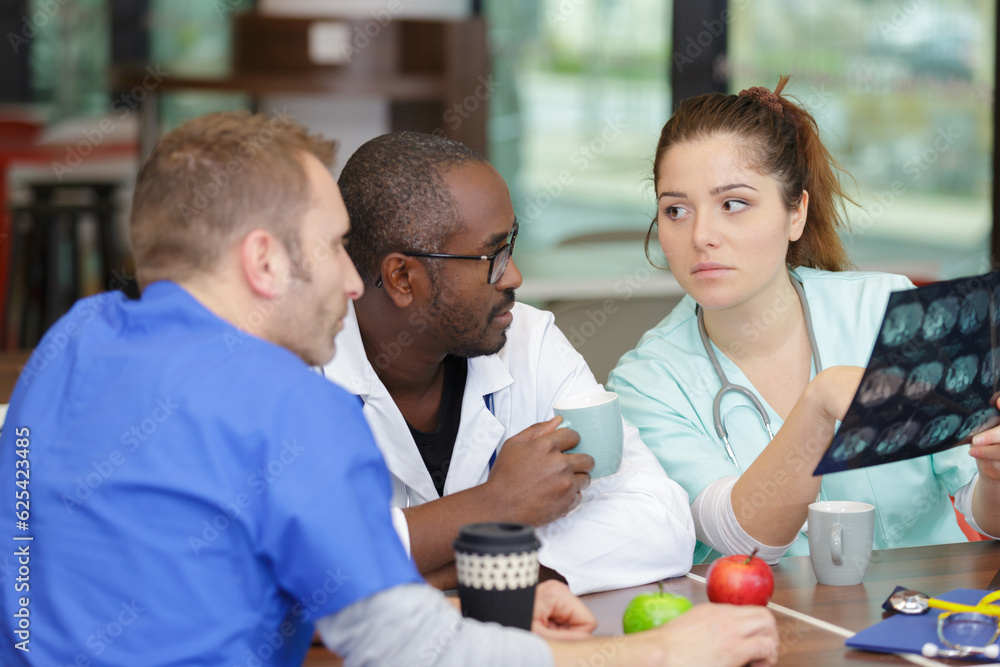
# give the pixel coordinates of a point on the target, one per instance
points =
(932, 380)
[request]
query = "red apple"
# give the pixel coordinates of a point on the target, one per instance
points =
(740, 580)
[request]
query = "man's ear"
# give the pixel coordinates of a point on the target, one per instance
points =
(265, 263)
(403, 278)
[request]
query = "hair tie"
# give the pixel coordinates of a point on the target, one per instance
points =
(766, 97)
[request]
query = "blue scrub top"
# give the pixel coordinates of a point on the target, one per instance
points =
(667, 387)
(197, 496)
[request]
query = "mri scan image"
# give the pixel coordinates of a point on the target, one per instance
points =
(880, 385)
(938, 430)
(854, 442)
(979, 421)
(932, 379)
(901, 324)
(961, 373)
(923, 379)
(974, 310)
(895, 437)
(991, 368)
(940, 318)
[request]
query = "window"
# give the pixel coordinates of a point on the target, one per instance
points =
(903, 94)
(903, 91)
(69, 57)
(193, 38)
(574, 133)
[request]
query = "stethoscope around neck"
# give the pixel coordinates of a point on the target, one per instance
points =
(728, 386)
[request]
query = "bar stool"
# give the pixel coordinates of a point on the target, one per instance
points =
(48, 264)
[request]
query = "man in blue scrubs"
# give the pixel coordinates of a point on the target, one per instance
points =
(166, 467)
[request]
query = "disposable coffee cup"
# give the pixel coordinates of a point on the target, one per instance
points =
(497, 567)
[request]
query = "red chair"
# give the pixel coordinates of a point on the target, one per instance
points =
(19, 145)
(18, 138)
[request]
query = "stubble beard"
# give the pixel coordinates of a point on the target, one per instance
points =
(466, 339)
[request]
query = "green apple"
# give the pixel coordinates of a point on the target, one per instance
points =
(651, 610)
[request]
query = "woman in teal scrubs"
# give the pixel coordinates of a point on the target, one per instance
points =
(749, 206)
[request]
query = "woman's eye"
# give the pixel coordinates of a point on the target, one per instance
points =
(674, 212)
(734, 205)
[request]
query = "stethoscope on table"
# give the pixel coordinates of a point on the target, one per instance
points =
(728, 386)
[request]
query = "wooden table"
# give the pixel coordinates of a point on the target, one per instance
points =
(933, 570)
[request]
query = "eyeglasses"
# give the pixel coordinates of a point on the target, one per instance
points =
(966, 633)
(498, 260)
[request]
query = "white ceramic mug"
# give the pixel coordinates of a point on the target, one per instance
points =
(840, 541)
(598, 419)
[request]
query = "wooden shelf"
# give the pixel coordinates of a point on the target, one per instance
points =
(400, 87)
(424, 69)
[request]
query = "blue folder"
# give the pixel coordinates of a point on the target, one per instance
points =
(902, 633)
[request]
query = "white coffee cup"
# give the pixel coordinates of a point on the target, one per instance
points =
(840, 540)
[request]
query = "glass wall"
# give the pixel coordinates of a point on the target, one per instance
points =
(584, 91)
(193, 38)
(70, 53)
(903, 92)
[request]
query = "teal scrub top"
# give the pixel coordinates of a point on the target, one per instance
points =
(667, 386)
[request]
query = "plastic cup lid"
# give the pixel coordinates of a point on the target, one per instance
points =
(496, 537)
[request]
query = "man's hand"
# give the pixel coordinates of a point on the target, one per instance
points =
(559, 614)
(708, 634)
(533, 481)
(714, 634)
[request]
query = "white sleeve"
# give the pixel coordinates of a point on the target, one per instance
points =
(633, 527)
(402, 528)
(715, 524)
(413, 624)
(963, 503)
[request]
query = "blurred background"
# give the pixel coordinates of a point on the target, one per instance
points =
(565, 97)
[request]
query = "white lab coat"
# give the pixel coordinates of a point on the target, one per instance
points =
(633, 527)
